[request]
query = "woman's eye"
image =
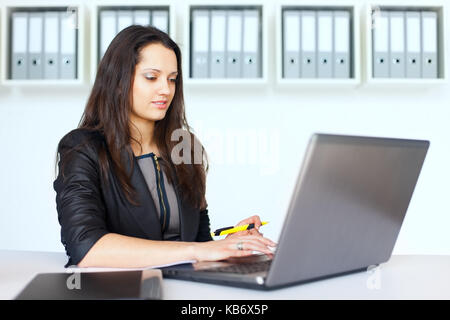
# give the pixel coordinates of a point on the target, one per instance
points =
(150, 77)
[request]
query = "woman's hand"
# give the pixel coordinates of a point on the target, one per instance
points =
(255, 231)
(236, 246)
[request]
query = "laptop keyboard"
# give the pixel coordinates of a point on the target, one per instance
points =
(243, 268)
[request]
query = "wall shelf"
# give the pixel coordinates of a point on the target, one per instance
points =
(354, 41)
(74, 10)
(189, 80)
(97, 7)
(371, 11)
(271, 28)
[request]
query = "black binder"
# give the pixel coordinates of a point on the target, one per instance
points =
(141, 285)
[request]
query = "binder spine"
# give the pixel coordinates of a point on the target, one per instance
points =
(397, 44)
(291, 43)
(124, 19)
(218, 36)
(234, 44)
(429, 44)
(68, 45)
(324, 44)
(341, 44)
(51, 45)
(308, 44)
(413, 36)
(141, 17)
(200, 43)
(160, 20)
(381, 43)
(19, 45)
(251, 45)
(108, 30)
(35, 45)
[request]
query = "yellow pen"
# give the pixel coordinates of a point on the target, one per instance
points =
(228, 230)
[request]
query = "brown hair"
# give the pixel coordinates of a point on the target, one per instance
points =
(110, 102)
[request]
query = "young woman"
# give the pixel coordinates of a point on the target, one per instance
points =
(124, 198)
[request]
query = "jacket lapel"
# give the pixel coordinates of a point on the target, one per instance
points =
(188, 220)
(145, 214)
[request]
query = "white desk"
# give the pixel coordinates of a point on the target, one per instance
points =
(403, 277)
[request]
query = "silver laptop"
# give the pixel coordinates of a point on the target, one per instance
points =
(345, 214)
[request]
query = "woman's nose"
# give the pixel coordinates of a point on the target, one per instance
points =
(164, 87)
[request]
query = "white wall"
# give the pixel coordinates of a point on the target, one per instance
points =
(279, 120)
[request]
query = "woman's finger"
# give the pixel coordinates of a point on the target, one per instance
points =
(254, 232)
(239, 233)
(251, 245)
(257, 221)
(258, 237)
(253, 219)
(254, 241)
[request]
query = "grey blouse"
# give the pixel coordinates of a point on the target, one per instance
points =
(163, 195)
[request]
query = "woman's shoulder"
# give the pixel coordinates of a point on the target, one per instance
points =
(82, 137)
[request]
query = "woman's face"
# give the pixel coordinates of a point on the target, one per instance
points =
(154, 83)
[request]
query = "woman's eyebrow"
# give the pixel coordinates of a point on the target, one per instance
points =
(157, 70)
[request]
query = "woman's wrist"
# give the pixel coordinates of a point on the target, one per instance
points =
(193, 251)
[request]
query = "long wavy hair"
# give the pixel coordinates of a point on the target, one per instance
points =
(110, 103)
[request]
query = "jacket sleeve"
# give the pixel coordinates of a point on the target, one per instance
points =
(204, 231)
(81, 210)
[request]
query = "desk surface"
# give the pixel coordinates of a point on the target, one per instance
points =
(402, 277)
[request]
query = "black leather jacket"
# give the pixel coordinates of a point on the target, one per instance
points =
(88, 208)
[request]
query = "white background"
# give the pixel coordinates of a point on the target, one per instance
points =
(241, 181)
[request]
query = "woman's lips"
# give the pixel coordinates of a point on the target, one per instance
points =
(160, 104)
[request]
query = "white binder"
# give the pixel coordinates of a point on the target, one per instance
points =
(141, 17)
(381, 45)
(108, 30)
(19, 37)
(413, 45)
(429, 44)
(124, 19)
(234, 44)
(218, 36)
(342, 57)
(51, 45)
(68, 61)
(291, 44)
(35, 42)
(325, 44)
(251, 46)
(160, 20)
(308, 42)
(397, 44)
(200, 40)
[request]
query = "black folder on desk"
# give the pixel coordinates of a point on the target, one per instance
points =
(140, 284)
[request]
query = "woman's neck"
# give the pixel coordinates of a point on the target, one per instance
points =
(143, 142)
